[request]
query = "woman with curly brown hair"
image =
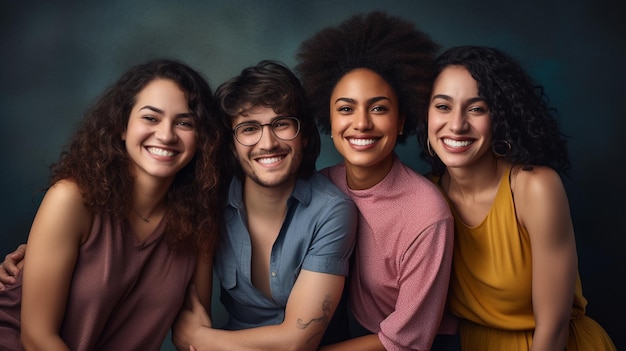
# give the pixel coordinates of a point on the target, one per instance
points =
(367, 81)
(497, 152)
(131, 213)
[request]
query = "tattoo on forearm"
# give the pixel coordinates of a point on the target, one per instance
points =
(324, 319)
(327, 306)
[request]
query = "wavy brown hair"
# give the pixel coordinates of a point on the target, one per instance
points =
(96, 158)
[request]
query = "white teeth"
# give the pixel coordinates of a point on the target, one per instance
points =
(269, 160)
(361, 142)
(457, 143)
(161, 152)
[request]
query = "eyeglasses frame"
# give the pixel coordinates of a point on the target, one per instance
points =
(278, 118)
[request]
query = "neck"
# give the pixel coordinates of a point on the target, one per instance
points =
(361, 178)
(149, 199)
(484, 175)
(268, 200)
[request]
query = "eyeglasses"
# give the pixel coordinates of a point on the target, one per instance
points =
(250, 133)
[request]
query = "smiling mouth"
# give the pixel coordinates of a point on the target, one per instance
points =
(457, 143)
(361, 142)
(270, 160)
(161, 152)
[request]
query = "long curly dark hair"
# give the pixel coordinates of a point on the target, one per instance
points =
(388, 45)
(519, 110)
(97, 160)
(270, 84)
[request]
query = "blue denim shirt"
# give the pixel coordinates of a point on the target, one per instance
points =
(318, 235)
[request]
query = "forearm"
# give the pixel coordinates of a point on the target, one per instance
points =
(49, 342)
(364, 343)
(545, 339)
(271, 338)
(541, 343)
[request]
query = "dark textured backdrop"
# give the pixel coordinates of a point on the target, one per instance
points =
(57, 57)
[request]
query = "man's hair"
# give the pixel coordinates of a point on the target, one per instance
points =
(269, 84)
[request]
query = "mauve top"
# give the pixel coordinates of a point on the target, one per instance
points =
(125, 293)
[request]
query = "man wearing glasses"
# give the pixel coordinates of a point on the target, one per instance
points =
(289, 232)
(284, 255)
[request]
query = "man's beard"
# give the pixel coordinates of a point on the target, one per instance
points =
(287, 177)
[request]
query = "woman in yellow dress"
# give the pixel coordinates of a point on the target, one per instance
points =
(497, 154)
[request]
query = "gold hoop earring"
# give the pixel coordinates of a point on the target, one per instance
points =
(430, 151)
(501, 148)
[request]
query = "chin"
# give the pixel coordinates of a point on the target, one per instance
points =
(271, 181)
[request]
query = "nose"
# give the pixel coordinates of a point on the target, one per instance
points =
(458, 121)
(362, 120)
(165, 133)
(268, 140)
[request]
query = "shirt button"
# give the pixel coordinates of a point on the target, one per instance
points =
(273, 274)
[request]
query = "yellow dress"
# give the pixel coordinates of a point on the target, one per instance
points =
(490, 288)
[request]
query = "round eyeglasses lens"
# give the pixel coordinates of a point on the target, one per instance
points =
(286, 128)
(250, 133)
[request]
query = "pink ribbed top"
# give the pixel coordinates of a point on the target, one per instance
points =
(399, 281)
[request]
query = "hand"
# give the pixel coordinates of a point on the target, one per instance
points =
(191, 319)
(12, 266)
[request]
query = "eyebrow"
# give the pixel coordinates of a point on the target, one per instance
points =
(369, 101)
(159, 111)
(259, 122)
(449, 98)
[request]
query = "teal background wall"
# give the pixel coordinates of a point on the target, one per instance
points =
(56, 57)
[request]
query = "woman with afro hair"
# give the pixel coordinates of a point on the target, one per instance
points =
(367, 81)
(496, 152)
